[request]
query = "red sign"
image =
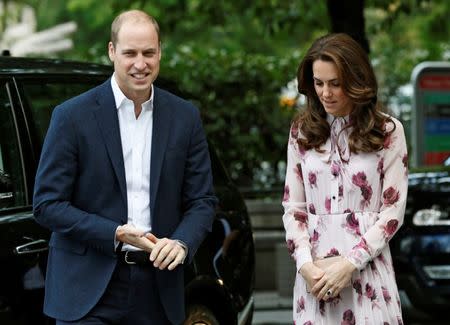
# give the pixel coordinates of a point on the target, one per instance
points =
(436, 158)
(436, 82)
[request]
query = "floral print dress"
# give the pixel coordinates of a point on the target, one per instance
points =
(342, 203)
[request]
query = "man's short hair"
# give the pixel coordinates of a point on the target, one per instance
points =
(136, 16)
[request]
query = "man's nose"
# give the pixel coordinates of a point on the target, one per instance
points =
(140, 62)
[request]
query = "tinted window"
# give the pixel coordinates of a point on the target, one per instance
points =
(41, 96)
(12, 192)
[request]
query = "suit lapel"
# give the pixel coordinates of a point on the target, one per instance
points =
(108, 123)
(160, 134)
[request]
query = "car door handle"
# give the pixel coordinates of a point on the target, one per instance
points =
(36, 246)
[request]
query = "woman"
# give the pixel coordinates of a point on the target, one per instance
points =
(345, 192)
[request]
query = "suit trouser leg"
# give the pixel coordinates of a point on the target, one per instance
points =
(130, 298)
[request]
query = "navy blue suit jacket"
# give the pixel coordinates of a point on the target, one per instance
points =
(80, 195)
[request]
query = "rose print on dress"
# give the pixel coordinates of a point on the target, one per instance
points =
(322, 307)
(298, 171)
(335, 169)
(300, 305)
(315, 236)
(390, 228)
(370, 292)
(373, 267)
(386, 295)
(382, 260)
(332, 252)
(302, 219)
(360, 180)
(352, 224)
(312, 178)
(390, 196)
(312, 208)
(380, 168)
(387, 141)
(363, 244)
(405, 160)
(314, 240)
(286, 193)
(348, 318)
(358, 288)
(334, 301)
(328, 204)
(290, 246)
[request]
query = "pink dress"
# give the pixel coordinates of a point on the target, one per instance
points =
(342, 203)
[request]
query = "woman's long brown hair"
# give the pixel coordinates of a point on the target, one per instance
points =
(358, 81)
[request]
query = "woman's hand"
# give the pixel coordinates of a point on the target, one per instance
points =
(335, 278)
(311, 273)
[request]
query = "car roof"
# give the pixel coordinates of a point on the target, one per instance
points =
(35, 66)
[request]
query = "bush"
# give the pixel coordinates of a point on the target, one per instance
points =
(239, 96)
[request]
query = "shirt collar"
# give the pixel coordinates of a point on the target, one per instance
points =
(120, 98)
(331, 118)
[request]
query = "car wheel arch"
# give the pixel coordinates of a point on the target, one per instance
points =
(213, 294)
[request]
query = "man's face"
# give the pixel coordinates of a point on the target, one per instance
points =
(136, 59)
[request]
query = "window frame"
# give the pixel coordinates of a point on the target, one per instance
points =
(17, 119)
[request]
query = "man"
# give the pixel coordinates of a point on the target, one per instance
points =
(124, 170)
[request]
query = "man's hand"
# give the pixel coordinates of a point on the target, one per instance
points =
(335, 278)
(129, 234)
(166, 253)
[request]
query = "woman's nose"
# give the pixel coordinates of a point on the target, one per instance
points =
(326, 92)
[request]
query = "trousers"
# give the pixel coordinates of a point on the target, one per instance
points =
(131, 298)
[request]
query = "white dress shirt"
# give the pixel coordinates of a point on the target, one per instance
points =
(136, 138)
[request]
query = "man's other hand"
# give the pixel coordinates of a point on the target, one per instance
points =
(166, 253)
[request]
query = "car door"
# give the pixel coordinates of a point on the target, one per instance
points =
(22, 242)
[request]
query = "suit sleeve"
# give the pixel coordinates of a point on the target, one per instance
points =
(53, 190)
(198, 198)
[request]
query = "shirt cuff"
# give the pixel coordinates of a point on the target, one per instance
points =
(186, 249)
(359, 257)
(116, 242)
(302, 256)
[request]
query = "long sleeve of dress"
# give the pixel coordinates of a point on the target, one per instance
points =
(295, 217)
(393, 171)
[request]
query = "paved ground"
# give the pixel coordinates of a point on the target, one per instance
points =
(272, 309)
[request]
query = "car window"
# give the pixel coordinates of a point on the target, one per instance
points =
(12, 189)
(41, 96)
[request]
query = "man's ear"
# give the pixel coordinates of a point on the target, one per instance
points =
(111, 51)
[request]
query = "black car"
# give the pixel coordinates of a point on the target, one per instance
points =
(219, 283)
(421, 248)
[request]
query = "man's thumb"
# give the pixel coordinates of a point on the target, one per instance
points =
(151, 237)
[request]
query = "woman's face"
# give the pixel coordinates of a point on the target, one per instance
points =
(329, 90)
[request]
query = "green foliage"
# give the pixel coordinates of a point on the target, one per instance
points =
(238, 94)
(403, 34)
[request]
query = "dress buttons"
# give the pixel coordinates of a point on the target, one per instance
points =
(334, 198)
